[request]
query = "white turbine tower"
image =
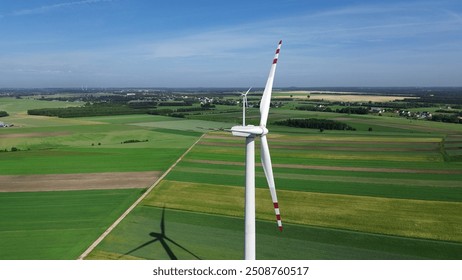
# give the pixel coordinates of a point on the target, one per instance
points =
(250, 132)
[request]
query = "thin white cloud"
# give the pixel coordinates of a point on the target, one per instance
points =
(207, 44)
(328, 29)
(49, 8)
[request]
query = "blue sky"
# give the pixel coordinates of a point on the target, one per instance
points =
(205, 43)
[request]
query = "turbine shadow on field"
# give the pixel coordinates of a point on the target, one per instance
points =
(162, 238)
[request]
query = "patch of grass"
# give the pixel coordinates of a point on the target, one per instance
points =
(403, 217)
(188, 125)
(16, 106)
(90, 160)
(178, 132)
(327, 158)
(127, 119)
(57, 225)
(225, 236)
(84, 136)
(364, 186)
(92, 148)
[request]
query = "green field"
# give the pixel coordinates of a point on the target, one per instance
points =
(390, 193)
(343, 195)
(207, 236)
(57, 225)
(62, 224)
(90, 148)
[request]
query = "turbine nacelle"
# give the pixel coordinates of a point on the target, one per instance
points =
(249, 131)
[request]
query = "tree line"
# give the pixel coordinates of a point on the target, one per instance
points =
(345, 110)
(454, 118)
(89, 110)
(320, 124)
(110, 109)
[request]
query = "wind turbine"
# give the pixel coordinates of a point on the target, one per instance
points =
(244, 105)
(250, 132)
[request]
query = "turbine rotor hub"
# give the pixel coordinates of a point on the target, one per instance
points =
(249, 131)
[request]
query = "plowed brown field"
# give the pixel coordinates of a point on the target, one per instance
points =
(82, 181)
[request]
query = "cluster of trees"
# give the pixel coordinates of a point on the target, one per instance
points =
(89, 110)
(438, 98)
(195, 109)
(455, 118)
(345, 110)
(3, 114)
(221, 101)
(116, 108)
(179, 112)
(320, 124)
(314, 108)
(13, 149)
(175, 103)
(353, 110)
(142, 104)
(133, 141)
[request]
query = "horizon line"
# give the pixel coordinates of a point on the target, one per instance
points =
(220, 87)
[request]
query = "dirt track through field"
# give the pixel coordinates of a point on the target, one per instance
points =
(83, 181)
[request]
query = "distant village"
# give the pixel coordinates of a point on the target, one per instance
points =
(2, 124)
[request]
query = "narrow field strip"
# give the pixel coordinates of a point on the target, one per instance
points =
(341, 139)
(341, 168)
(326, 178)
(315, 154)
(320, 186)
(329, 148)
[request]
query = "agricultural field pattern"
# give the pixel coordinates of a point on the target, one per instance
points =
(390, 189)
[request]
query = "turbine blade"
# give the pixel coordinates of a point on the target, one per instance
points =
(266, 98)
(246, 102)
(248, 91)
(268, 169)
(244, 105)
